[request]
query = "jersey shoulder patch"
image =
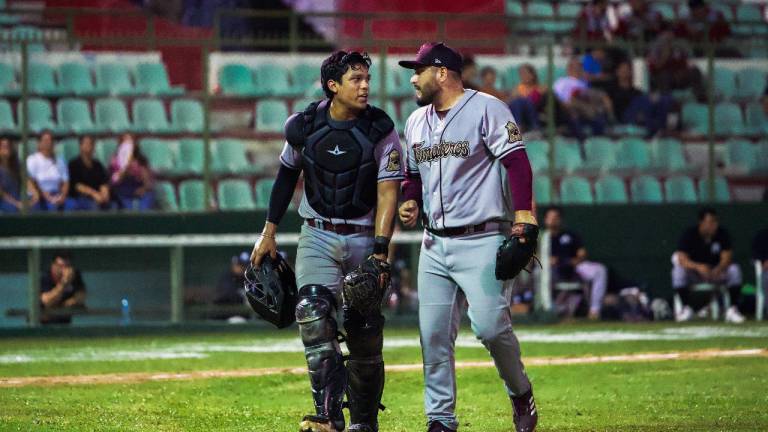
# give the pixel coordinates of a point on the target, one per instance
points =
(513, 132)
(393, 161)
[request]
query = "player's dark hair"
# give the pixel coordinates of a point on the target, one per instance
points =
(706, 211)
(467, 60)
(12, 164)
(554, 208)
(532, 70)
(83, 138)
(65, 255)
(337, 64)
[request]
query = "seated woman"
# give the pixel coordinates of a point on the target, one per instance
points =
(131, 179)
(10, 179)
(527, 98)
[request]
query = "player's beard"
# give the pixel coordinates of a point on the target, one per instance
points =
(428, 92)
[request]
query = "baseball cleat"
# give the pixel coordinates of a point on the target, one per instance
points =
(315, 423)
(525, 415)
(436, 426)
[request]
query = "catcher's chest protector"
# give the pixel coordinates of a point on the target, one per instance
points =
(340, 168)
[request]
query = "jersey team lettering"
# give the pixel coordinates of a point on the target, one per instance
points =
(443, 150)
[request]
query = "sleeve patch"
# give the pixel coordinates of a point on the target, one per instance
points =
(513, 132)
(393, 164)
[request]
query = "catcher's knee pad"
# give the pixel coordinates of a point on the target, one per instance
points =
(365, 334)
(315, 314)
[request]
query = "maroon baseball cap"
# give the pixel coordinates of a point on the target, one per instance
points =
(435, 54)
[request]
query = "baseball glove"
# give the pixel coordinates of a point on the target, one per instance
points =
(365, 287)
(516, 252)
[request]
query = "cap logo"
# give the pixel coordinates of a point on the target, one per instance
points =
(438, 61)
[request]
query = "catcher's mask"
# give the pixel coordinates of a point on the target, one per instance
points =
(271, 291)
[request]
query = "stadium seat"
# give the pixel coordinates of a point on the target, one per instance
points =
(149, 116)
(160, 154)
(567, 155)
(514, 8)
(272, 80)
(751, 83)
(722, 193)
(237, 80)
(187, 115)
(40, 115)
(271, 115)
(511, 77)
(695, 118)
(192, 195)
(538, 151)
(600, 153)
(263, 189)
(406, 87)
(8, 84)
(575, 190)
(7, 123)
(105, 149)
(729, 119)
(762, 156)
(610, 190)
(152, 78)
(230, 157)
(725, 83)
(665, 9)
(41, 81)
(568, 10)
(646, 190)
(67, 149)
(725, 9)
(112, 115)
(74, 116)
(300, 105)
(750, 21)
(191, 157)
(305, 77)
(407, 107)
(75, 78)
(668, 154)
(114, 79)
(740, 155)
(235, 195)
(680, 189)
(31, 34)
(397, 82)
(544, 13)
(542, 190)
(633, 154)
(757, 121)
(166, 196)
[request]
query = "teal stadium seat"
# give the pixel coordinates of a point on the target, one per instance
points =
(112, 115)
(114, 79)
(542, 190)
(725, 83)
(740, 155)
(567, 12)
(728, 119)
(646, 190)
(105, 149)
(600, 153)
(695, 118)
(74, 116)
(300, 105)
(160, 154)
(538, 154)
(575, 190)
(272, 80)
(668, 154)
(680, 189)
(33, 35)
(192, 195)
(610, 190)
(7, 123)
(511, 77)
(152, 78)
(230, 157)
(75, 78)
(237, 80)
(271, 115)
(166, 196)
(187, 115)
(633, 154)
(757, 121)
(191, 158)
(41, 81)
(263, 190)
(751, 83)
(762, 157)
(750, 21)
(544, 13)
(305, 77)
(8, 84)
(567, 155)
(235, 194)
(40, 115)
(722, 193)
(67, 149)
(149, 116)
(666, 10)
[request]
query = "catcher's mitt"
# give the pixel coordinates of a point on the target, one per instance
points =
(365, 287)
(516, 252)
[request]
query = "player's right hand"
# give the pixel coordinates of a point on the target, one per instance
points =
(264, 245)
(409, 213)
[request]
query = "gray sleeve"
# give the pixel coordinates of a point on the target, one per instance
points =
(290, 157)
(410, 160)
(390, 158)
(500, 131)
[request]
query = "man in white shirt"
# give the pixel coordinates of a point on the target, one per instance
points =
(580, 103)
(50, 176)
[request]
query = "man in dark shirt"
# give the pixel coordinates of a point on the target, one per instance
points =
(568, 259)
(760, 253)
(88, 181)
(632, 106)
(705, 255)
(229, 290)
(61, 287)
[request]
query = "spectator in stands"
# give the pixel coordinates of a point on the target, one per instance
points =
(580, 103)
(61, 287)
(132, 182)
(705, 255)
(596, 70)
(527, 98)
(88, 180)
(632, 106)
(642, 23)
(568, 258)
(703, 24)
(469, 72)
(10, 180)
(592, 23)
(760, 253)
(229, 289)
(488, 83)
(50, 176)
(670, 70)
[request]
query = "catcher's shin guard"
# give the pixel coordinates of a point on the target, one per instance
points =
(365, 367)
(318, 330)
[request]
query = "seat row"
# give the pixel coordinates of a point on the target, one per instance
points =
(77, 78)
(728, 119)
(644, 189)
(230, 194)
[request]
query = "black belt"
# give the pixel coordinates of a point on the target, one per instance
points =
(341, 229)
(457, 231)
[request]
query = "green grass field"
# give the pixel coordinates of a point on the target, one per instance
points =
(728, 393)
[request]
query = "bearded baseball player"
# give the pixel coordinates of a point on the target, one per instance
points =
(464, 157)
(350, 155)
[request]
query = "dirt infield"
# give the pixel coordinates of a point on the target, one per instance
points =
(141, 377)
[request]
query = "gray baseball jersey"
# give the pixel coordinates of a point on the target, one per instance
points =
(389, 157)
(458, 159)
